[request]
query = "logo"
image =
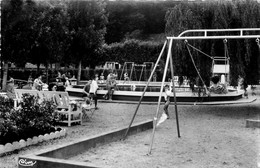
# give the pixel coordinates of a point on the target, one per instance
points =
(24, 162)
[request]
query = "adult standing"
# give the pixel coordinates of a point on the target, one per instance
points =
(67, 82)
(108, 86)
(93, 90)
(112, 87)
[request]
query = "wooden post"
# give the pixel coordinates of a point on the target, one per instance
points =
(149, 80)
(160, 97)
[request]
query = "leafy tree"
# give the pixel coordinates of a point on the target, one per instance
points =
(33, 32)
(50, 34)
(12, 12)
(135, 19)
(216, 15)
(87, 26)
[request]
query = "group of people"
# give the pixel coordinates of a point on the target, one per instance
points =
(91, 87)
(90, 91)
(37, 84)
(59, 85)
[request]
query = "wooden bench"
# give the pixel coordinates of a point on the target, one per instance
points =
(68, 111)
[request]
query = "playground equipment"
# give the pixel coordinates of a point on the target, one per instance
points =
(128, 66)
(111, 65)
(148, 66)
(202, 34)
(131, 68)
(220, 64)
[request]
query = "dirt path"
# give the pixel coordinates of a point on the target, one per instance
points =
(211, 136)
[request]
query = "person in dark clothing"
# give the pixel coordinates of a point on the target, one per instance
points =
(245, 85)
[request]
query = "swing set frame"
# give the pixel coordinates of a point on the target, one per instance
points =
(246, 33)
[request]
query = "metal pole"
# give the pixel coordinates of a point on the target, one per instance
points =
(174, 93)
(149, 80)
(160, 97)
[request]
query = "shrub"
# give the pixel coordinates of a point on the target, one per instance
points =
(6, 104)
(32, 118)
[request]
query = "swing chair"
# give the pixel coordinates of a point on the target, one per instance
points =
(220, 66)
(143, 67)
(125, 69)
(111, 65)
(201, 34)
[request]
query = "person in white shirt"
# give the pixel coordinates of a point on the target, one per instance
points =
(37, 83)
(67, 82)
(93, 90)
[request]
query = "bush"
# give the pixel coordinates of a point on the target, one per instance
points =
(132, 51)
(32, 118)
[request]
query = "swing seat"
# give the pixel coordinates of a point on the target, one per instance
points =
(221, 69)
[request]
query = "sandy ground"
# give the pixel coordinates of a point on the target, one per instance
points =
(211, 136)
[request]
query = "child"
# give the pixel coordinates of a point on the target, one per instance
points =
(126, 78)
(167, 94)
(167, 99)
(86, 105)
(87, 101)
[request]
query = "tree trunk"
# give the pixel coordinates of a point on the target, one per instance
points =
(5, 73)
(38, 69)
(79, 72)
(47, 73)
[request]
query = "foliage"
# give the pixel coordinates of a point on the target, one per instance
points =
(132, 51)
(32, 118)
(244, 54)
(6, 105)
(73, 32)
(87, 26)
(135, 19)
(33, 32)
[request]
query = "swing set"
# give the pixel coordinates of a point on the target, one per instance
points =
(131, 68)
(220, 64)
(198, 34)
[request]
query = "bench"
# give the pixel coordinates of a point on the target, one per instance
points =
(69, 111)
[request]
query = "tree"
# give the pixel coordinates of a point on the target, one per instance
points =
(216, 15)
(50, 33)
(12, 17)
(33, 32)
(87, 26)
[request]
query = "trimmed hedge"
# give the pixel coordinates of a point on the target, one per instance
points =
(132, 51)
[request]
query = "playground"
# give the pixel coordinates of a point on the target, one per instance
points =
(211, 136)
(112, 84)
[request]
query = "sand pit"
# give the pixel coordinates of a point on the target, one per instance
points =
(211, 136)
